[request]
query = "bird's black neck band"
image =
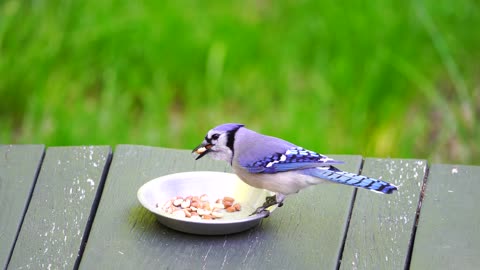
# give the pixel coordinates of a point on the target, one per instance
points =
(231, 140)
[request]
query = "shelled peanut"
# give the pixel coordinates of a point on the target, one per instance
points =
(199, 207)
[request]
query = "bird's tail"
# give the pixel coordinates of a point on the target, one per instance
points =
(335, 175)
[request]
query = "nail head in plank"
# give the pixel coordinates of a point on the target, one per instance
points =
(381, 226)
(57, 218)
(306, 232)
(448, 233)
(19, 165)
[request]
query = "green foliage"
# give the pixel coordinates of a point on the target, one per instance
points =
(387, 79)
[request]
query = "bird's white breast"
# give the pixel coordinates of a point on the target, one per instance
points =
(283, 182)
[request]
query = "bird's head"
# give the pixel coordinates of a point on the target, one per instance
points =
(218, 142)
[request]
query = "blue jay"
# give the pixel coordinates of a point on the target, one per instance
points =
(277, 165)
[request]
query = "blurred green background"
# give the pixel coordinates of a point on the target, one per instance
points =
(385, 78)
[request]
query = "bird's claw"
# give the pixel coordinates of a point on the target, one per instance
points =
(261, 211)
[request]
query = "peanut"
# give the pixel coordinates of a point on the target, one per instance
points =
(227, 204)
(218, 206)
(177, 202)
(237, 207)
(207, 217)
(217, 214)
(206, 206)
(185, 204)
(195, 204)
(229, 199)
(203, 212)
(179, 214)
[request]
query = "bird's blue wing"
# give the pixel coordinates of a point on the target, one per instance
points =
(293, 159)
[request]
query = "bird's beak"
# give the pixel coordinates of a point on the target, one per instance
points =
(202, 150)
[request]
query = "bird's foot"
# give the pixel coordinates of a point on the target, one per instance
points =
(269, 201)
(261, 211)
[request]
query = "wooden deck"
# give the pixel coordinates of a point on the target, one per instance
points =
(76, 207)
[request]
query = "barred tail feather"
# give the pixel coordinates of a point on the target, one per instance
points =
(335, 175)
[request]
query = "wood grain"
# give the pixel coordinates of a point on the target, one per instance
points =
(306, 233)
(62, 206)
(448, 234)
(19, 166)
(381, 227)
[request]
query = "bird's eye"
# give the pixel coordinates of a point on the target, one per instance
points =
(215, 136)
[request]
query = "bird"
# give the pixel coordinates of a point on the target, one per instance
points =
(274, 164)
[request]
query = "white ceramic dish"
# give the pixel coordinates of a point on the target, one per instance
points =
(155, 193)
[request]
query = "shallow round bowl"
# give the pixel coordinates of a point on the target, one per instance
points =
(154, 194)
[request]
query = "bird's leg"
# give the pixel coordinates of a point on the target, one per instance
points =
(279, 198)
(276, 199)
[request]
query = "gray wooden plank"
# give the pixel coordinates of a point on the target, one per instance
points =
(19, 166)
(61, 208)
(307, 232)
(448, 233)
(381, 226)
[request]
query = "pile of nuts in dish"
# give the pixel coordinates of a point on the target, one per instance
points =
(199, 207)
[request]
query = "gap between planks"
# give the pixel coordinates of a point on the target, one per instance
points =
(37, 173)
(93, 212)
(347, 225)
(417, 217)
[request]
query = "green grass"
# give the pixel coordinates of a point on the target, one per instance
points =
(385, 79)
